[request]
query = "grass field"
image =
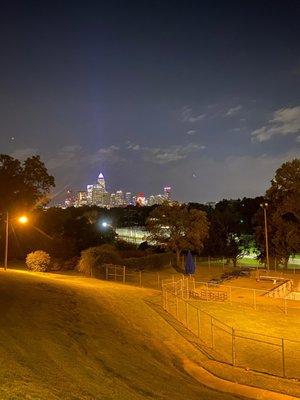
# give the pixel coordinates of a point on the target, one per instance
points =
(66, 337)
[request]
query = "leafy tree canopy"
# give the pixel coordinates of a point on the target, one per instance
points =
(178, 228)
(283, 198)
(23, 185)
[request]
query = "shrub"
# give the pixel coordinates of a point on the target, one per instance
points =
(151, 261)
(95, 256)
(38, 261)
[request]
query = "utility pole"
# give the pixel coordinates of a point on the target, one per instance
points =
(264, 206)
(6, 242)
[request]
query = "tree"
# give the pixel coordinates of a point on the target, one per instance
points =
(283, 198)
(177, 228)
(23, 185)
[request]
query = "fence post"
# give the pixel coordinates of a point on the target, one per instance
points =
(285, 306)
(198, 322)
(186, 314)
(106, 272)
(254, 299)
(124, 274)
(166, 299)
(140, 278)
(283, 360)
(212, 332)
(187, 289)
(233, 347)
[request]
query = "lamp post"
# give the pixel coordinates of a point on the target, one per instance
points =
(264, 206)
(23, 219)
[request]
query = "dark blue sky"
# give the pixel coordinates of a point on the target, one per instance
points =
(203, 96)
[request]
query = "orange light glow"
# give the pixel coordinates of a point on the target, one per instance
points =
(23, 219)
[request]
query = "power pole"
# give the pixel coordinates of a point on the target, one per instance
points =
(6, 242)
(264, 206)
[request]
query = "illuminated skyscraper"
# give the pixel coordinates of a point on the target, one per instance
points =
(128, 198)
(89, 191)
(81, 199)
(119, 198)
(101, 182)
(167, 192)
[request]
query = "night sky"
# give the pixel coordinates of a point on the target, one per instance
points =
(203, 96)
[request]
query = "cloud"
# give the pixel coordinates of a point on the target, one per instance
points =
(22, 154)
(232, 111)
(73, 156)
(285, 121)
(108, 155)
(66, 156)
(191, 132)
(133, 146)
(187, 115)
(173, 153)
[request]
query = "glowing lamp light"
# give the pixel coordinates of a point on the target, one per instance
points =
(104, 224)
(23, 219)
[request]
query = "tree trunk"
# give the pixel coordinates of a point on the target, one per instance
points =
(285, 262)
(178, 267)
(234, 261)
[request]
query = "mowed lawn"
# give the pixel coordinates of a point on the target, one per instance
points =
(68, 337)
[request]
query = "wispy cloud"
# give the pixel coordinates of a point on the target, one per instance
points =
(233, 111)
(22, 154)
(66, 156)
(285, 121)
(108, 154)
(173, 153)
(187, 115)
(72, 156)
(191, 132)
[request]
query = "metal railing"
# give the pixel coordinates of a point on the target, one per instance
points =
(250, 350)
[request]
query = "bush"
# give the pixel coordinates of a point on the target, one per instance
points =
(151, 261)
(38, 261)
(95, 256)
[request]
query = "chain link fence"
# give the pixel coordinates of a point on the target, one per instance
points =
(253, 351)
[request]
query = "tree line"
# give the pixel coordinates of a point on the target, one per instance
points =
(230, 229)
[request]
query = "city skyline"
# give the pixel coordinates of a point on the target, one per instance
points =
(97, 194)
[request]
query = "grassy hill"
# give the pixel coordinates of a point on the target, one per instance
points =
(67, 337)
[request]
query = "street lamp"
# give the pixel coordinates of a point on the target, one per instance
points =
(23, 219)
(264, 206)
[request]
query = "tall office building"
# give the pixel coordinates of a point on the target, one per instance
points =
(101, 182)
(119, 198)
(89, 191)
(167, 192)
(128, 198)
(81, 199)
(69, 201)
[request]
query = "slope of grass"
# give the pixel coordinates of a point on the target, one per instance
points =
(67, 337)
